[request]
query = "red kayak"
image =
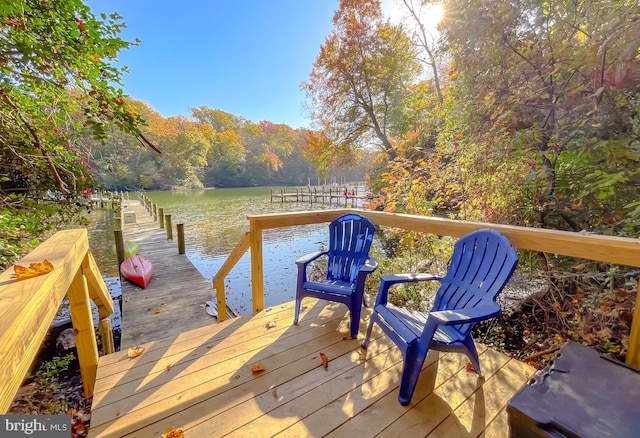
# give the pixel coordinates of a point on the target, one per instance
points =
(137, 270)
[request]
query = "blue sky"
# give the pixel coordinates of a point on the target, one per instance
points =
(247, 57)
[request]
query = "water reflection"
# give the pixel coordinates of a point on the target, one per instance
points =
(101, 240)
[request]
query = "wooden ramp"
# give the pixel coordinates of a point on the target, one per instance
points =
(202, 382)
(173, 301)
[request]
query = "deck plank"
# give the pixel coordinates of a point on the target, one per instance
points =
(210, 390)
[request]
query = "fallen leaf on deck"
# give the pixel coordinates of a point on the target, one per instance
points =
(270, 324)
(257, 368)
(362, 357)
(274, 393)
(325, 360)
(33, 270)
(470, 368)
(168, 367)
(172, 432)
(156, 311)
(135, 351)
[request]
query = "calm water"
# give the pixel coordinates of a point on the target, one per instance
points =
(214, 222)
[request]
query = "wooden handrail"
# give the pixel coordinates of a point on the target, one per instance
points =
(218, 280)
(27, 308)
(609, 249)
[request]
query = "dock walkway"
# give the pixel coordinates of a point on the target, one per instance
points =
(173, 301)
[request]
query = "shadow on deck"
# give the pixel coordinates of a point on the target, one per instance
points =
(202, 382)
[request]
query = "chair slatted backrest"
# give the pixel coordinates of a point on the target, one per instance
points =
(350, 238)
(481, 264)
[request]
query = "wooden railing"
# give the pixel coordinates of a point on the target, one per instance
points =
(27, 308)
(616, 250)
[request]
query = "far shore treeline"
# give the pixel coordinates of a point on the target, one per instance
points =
(210, 148)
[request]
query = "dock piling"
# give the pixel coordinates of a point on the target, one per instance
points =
(169, 228)
(180, 231)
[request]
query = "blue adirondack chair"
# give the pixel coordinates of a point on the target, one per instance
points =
(348, 264)
(481, 264)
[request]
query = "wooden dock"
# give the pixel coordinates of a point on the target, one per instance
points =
(202, 383)
(345, 196)
(173, 301)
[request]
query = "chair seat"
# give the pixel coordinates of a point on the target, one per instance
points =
(334, 287)
(415, 321)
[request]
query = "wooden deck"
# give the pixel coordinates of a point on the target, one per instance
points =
(173, 301)
(201, 381)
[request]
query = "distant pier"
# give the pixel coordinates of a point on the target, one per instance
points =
(354, 196)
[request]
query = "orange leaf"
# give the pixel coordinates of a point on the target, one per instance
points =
(325, 360)
(172, 432)
(168, 367)
(135, 351)
(257, 368)
(156, 311)
(33, 270)
(470, 368)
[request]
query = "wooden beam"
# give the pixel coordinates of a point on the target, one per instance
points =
(218, 280)
(98, 290)
(100, 295)
(257, 267)
(238, 251)
(610, 249)
(82, 321)
(633, 352)
(27, 307)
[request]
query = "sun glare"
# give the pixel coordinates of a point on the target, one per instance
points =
(433, 14)
(430, 15)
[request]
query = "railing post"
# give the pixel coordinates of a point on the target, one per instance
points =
(169, 227)
(106, 334)
(119, 237)
(222, 300)
(181, 245)
(633, 352)
(155, 212)
(257, 269)
(161, 216)
(82, 321)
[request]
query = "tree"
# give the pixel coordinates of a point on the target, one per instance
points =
(425, 38)
(55, 57)
(358, 83)
(553, 82)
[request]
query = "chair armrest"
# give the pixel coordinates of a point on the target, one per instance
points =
(369, 266)
(408, 278)
(305, 259)
(464, 316)
(386, 281)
